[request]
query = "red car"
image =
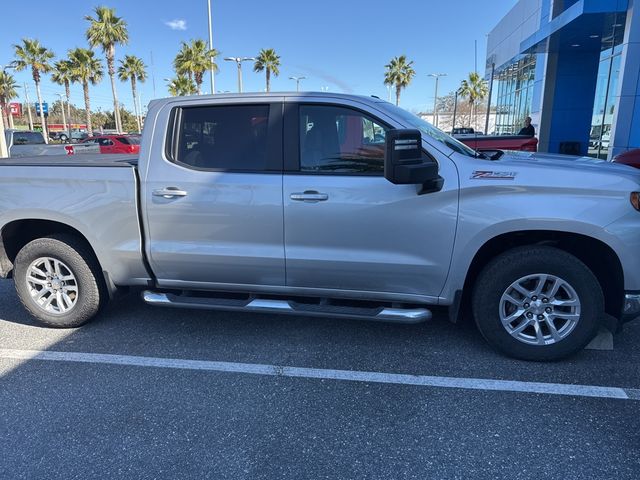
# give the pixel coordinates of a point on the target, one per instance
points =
(631, 158)
(116, 143)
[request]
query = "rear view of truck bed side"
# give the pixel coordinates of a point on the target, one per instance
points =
(91, 199)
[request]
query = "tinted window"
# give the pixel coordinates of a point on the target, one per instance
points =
(27, 138)
(340, 140)
(105, 142)
(230, 137)
(129, 140)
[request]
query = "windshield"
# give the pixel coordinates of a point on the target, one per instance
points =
(429, 130)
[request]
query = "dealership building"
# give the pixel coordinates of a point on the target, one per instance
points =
(573, 66)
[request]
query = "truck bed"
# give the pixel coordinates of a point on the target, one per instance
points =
(96, 195)
(81, 160)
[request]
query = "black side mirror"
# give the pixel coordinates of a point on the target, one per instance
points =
(404, 162)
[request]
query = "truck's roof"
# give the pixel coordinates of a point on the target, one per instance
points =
(301, 95)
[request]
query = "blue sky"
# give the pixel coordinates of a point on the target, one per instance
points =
(339, 44)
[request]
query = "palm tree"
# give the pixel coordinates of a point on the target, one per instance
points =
(32, 54)
(86, 69)
(268, 61)
(181, 86)
(399, 72)
(8, 92)
(194, 60)
(133, 68)
(62, 75)
(107, 30)
(474, 89)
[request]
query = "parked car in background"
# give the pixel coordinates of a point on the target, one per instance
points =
(22, 143)
(631, 158)
(463, 131)
(494, 143)
(115, 143)
(63, 136)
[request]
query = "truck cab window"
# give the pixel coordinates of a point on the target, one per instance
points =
(340, 140)
(224, 137)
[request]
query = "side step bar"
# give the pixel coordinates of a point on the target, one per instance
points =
(382, 314)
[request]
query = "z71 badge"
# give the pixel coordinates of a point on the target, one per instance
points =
(489, 175)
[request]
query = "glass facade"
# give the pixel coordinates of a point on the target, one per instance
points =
(514, 92)
(604, 101)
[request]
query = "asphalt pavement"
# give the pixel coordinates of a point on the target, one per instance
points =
(243, 396)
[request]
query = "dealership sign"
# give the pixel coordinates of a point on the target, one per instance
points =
(16, 109)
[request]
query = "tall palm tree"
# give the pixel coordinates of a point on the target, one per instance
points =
(62, 75)
(8, 92)
(32, 54)
(475, 89)
(181, 86)
(268, 61)
(86, 69)
(133, 68)
(399, 72)
(107, 30)
(194, 59)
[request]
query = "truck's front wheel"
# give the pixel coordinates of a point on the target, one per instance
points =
(58, 281)
(537, 303)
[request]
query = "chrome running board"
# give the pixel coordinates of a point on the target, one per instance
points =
(382, 314)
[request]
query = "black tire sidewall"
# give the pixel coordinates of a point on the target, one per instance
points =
(517, 263)
(72, 253)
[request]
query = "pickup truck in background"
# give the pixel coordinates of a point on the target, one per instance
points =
(327, 204)
(21, 143)
(494, 143)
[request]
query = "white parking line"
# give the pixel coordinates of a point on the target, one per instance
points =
(329, 374)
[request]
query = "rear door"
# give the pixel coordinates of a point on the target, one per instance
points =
(213, 196)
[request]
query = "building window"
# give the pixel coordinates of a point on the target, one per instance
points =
(514, 86)
(606, 88)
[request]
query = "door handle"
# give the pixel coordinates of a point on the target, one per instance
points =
(169, 192)
(309, 196)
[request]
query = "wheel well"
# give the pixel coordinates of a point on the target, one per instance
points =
(18, 233)
(596, 255)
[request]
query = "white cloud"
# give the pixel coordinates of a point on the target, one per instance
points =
(177, 24)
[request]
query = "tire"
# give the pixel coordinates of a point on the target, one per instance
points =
(66, 256)
(63, 138)
(519, 273)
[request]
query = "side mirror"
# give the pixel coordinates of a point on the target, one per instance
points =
(404, 163)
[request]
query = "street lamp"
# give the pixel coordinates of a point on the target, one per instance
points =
(213, 81)
(297, 79)
(435, 97)
(239, 61)
(4, 152)
(64, 117)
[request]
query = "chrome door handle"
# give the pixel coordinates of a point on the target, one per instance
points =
(169, 192)
(310, 196)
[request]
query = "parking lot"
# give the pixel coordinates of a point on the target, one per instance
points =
(239, 412)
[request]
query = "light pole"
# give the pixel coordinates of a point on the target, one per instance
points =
(435, 97)
(3, 141)
(239, 61)
(213, 81)
(64, 117)
(297, 79)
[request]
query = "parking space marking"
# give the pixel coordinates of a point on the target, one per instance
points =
(329, 374)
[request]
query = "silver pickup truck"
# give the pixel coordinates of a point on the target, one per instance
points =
(327, 204)
(22, 143)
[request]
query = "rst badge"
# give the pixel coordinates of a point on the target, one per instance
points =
(491, 175)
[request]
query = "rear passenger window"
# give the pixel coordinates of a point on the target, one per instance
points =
(232, 137)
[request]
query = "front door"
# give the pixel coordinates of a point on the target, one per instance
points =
(213, 197)
(346, 226)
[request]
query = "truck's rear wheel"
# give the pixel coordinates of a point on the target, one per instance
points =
(58, 281)
(537, 303)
